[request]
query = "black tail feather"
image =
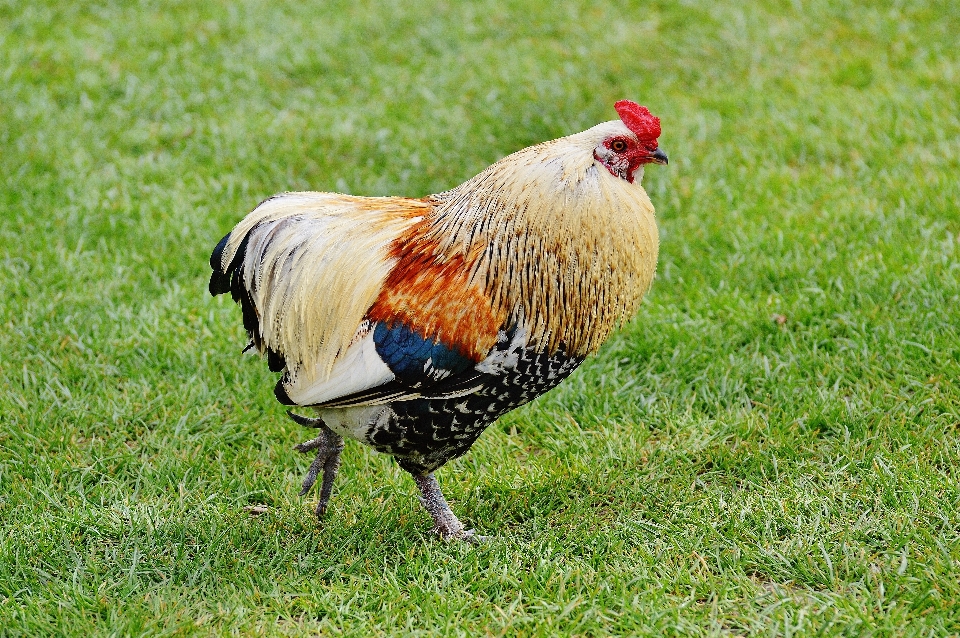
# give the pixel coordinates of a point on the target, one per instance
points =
(231, 279)
(235, 285)
(220, 279)
(281, 394)
(275, 361)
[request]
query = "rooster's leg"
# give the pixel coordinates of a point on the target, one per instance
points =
(445, 522)
(328, 446)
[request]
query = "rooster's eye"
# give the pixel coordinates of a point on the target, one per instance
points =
(618, 146)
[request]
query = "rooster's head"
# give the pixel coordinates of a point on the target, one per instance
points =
(622, 154)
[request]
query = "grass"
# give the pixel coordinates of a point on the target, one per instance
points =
(771, 447)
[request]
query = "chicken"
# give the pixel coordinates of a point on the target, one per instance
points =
(411, 325)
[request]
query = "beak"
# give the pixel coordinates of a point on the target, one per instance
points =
(659, 157)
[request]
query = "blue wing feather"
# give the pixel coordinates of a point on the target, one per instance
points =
(414, 359)
(427, 368)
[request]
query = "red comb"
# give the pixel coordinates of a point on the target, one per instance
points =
(644, 124)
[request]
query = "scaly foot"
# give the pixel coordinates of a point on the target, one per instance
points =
(445, 522)
(328, 445)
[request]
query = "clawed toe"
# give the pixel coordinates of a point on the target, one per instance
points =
(328, 445)
(312, 444)
(445, 522)
(305, 421)
(314, 470)
(466, 535)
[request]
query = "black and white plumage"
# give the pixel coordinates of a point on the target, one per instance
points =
(424, 433)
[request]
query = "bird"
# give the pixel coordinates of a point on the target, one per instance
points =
(412, 324)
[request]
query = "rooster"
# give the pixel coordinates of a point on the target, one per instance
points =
(411, 325)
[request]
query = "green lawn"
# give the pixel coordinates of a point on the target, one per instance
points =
(772, 447)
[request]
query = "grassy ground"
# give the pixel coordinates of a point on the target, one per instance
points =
(770, 448)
